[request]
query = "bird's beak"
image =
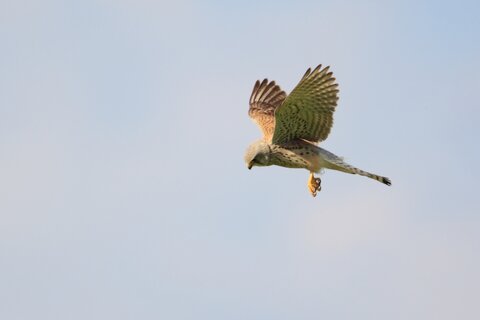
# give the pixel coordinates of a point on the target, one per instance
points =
(250, 165)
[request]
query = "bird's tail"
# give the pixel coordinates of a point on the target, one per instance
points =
(351, 169)
(337, 163)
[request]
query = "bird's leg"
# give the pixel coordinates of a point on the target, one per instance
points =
(314, 184)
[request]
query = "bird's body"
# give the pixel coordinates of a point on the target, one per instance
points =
(293, 124)
(306, 155)
(302, 154)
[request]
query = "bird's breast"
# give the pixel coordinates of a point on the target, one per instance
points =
(289, 158)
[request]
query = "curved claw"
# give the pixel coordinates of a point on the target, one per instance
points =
(314, 185)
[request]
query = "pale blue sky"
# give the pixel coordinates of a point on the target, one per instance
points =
(123, 192)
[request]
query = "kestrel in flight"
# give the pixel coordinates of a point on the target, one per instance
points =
(293, 125)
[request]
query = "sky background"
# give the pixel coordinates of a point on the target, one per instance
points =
(123, 191)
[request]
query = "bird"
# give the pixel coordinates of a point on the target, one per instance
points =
(293, 125)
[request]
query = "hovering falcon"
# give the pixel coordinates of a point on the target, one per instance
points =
(293, 125)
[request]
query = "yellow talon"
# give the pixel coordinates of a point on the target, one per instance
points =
(314, 184)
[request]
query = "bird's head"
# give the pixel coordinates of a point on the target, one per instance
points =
(258, 154)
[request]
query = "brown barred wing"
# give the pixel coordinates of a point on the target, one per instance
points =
(265, 99)
(307, 113)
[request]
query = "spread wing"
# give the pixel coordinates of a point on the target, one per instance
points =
(307, 113)
(265, 99)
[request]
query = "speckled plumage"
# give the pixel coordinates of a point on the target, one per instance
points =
(293, 124)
